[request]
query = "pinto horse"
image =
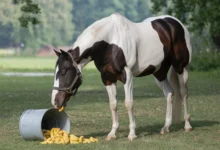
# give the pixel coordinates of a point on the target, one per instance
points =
(121, 50)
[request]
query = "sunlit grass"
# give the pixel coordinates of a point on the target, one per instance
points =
(90, 115)
(7, 52)
(33, 64)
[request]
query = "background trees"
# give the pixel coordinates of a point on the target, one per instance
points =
(55, 27)
(60, 22)
(8, 22)
(85, 12)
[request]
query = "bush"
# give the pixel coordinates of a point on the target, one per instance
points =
(205, 61)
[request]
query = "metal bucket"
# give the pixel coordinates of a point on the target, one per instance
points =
(32, 121)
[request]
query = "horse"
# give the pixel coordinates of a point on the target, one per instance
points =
(122, 49)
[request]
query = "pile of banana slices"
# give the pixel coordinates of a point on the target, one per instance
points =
(58, 136)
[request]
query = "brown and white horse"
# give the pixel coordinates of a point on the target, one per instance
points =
(121, 50)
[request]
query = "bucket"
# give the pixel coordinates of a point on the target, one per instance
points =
(32, 121)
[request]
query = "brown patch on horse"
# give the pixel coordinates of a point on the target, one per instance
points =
(164, 33)
(161, 74)
(171, 34)
(109, 59)
(180, 52)
(149, 70)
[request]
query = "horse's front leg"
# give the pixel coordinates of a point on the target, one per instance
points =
(111, 89)
(128, 87)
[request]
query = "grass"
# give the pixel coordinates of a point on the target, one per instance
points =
(90, 115)
(7, 52)
(29, 64)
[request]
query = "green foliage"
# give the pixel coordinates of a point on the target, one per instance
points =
(85, 12)
(9, 15)
(55, 27)
(205, 61)
(198, 14)
(28, 8)
(24, 20)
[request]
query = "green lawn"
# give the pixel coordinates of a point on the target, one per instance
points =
(33, 64)
(90, 115)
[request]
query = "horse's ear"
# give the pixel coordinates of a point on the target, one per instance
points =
(64, 53)
(57, 52)
(74, 53)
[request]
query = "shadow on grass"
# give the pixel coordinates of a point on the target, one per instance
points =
(97, 134)
(155, 129)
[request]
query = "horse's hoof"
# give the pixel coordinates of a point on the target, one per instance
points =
(164, 130)
(108, 138)
(188, 129)
(132, 137)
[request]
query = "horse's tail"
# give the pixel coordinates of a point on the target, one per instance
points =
(177, 100)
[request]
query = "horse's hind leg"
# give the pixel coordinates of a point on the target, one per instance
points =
(168, 93)
(128, 87)
(111, 89)
(184, 94)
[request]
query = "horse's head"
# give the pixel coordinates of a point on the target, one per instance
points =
(67, 79)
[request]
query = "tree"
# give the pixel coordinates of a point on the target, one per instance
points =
(30, 10)
(9, 16)
(196, 13)
(85, 12)
(55, 27)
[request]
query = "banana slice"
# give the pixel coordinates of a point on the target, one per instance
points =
(92, 139)
(74, 142)
(73, 137)
(61, 109)
(81, 139)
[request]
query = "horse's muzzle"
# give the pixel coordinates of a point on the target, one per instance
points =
(61, 99)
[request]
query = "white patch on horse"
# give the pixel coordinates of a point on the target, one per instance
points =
(84, 62)
(56, 84)
(168, 92)
(188, 44)
(112, 92)
(128, 87)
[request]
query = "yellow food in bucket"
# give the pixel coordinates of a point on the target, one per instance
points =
(58, 136)
(61, 109)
